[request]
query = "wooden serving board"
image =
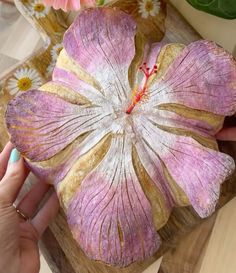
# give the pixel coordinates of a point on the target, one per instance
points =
(58, 246)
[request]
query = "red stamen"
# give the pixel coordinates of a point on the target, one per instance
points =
(142, 93)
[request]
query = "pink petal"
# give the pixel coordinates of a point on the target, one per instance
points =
(69, 79)
(198, 170)
(202, 77)
(54, 174)
(42, 124)
(198, 126)
(102, 42)
(73, 5)
(110, 215)
(65, 5)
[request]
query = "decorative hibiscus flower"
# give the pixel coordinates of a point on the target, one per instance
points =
(126, 133)
(68, 5)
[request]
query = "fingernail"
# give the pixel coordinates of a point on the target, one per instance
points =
(15, 156)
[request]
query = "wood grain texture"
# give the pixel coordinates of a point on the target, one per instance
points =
(60, 248)
(220, 253)
(184, 257)
(54, 254)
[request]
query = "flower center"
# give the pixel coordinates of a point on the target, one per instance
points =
(149, 6)
(138, 95)
(39, 7)
(24, 84)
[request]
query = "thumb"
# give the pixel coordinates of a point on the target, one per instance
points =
(13, 179)
(227, 134)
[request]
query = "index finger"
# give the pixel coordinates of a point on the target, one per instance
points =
(4, 157)
(227, 134)
(46, 214)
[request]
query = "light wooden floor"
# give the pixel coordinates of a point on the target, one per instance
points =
(219, 253)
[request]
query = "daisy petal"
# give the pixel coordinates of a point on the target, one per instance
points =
(113, 221)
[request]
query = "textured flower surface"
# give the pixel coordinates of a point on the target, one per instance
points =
(55, 51)
(126, 133)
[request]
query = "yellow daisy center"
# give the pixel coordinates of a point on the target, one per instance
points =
(25, 2)
(24, 84)
(149, 6)
(39, 7)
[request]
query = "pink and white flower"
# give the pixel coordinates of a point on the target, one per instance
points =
(156, 134)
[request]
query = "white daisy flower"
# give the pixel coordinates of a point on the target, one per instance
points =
(38, 9)
(149, 8)
(24, 79)
(55, 51)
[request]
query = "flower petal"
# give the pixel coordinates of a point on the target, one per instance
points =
(65, 5)
(64, 77)
(55, 169)
(202, 77)
(110, 215)
(101, 41)
(175, 115)
(198, 170)
(42, 124)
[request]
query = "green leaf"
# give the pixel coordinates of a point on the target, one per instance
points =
(100, 2)
(222, 8)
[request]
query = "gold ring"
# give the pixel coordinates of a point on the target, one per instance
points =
(22, 215)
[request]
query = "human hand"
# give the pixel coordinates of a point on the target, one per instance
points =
(19, 252)
(228, 134)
